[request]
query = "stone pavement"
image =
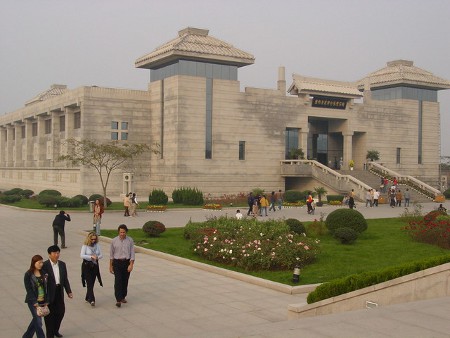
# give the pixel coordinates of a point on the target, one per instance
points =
(168, 299)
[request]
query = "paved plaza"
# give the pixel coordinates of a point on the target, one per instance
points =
(168, 299)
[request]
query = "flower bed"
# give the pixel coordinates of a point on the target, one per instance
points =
(156, 208)
(212, 206)
(293, 204)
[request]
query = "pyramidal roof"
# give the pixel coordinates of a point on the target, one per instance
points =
(314, 86)
(54, 90)
(195, 44)
(403, 72)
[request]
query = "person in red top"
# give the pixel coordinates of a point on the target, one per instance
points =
(98, 212)
(309, 201)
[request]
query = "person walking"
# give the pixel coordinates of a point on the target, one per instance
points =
(280, 199)
(309, 201)
(376, 196)
(407, 197)
(134, 205)
(398, 198)
(272, 201)
(264, 204)
(121, 263)
(250, 202)
(35, 282)
(58, 228)
(90, 253)
(351, 199)
(58, 282)
(126, 205)
(98, 212)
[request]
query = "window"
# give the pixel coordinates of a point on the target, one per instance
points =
(241, 150)
(34, 129)
(420, 131)
(208, 131)
(48, 126)
(13, 133)
(398, 155)
(23, 132)
(124, 136)
(114, 136)
(124, 126)
(77, 120)
(115, 132)
(114, 125)
(291, 141)
(62, 123)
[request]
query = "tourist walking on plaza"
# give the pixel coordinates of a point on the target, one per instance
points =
(264, 204)
(250, 202)
(90, 253)
(351, 199)
(272, 201)
(398, 198)
(98, 212)
(57, 283)
(279, 199)
(407, 197)
(126, 205)
(35, 282)
(134, 205)
(58, 225)
(121, 263)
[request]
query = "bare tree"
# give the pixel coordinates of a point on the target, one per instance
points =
(104, 157)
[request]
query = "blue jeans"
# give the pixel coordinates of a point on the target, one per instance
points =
(35, 324)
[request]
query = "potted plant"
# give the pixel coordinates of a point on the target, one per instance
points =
(296, 154)
(351, 164)
(373, 155)
(320, 191)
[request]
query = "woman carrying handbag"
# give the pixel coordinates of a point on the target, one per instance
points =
(36, 287)
(90, 253)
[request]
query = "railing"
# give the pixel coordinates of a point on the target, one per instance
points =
(309, 168)
(410, 181)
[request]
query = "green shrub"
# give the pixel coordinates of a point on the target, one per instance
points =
(316, 228)
(49, 200)
(188, 196)
(83, 199)
(258, 192)
(15, 191)
(108, 201)
(158, 197)
(27, 193)
(432, 215)
(292, 196)
(296, 226)
(50, 192)
(8, 199)
(346, 235)
(359, 281)
(153, 228)
(447, 193)
(66, 202)
(348, 218)
(339, 198)
(94, 197)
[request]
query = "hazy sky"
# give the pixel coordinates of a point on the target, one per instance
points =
(95, 42)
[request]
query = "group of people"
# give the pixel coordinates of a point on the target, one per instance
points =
(257, 205)
(130, 204)
(46, 282)
(372, 197)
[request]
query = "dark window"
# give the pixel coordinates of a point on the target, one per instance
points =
(34, 128)
(420, 131)
(124, 136)
(208, 131)
(241, 150)
(62, 123)
(291, 141)
(114, 136)
(124, 126)
(77, 120)
(114, 125)
(48, 126)
(24, 134)
(398, 155)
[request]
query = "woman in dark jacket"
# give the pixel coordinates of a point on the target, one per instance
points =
(36, 286)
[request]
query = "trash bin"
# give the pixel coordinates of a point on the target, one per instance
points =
(91, 206)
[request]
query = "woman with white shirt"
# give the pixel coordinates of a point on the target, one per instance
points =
(90, 253)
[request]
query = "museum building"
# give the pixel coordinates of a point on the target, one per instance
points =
(217, 138)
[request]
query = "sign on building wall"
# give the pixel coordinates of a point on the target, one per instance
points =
(329, 102)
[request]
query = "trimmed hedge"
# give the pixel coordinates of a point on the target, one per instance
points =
(50, 192)
(339, 198)
(348, 218)
(359, 281)
(292, 196)
(447, 193)
(188, 196)
(296, 226)
(10, 198)
(346, 235)
(153, 228)
(15, 191)
(158, 197)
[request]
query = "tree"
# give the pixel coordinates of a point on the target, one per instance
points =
(104, 157)
(373, 155)
(320, 191)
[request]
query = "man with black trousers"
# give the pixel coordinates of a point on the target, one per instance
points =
(57, 283)
(58, 228)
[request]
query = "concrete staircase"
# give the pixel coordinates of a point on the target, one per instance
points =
(373, 181)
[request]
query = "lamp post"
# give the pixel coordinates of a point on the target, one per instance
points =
(296, 275)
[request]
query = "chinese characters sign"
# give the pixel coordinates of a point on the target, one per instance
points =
(329, 102)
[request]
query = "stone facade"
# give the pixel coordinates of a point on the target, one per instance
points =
(214, 136)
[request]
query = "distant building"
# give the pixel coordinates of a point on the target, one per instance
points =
(214, 136)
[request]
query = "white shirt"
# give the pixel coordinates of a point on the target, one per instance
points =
(55, 268)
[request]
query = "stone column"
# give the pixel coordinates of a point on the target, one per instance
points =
(41, 154)
(28, 156)
(55, 138)
(9, 146)
(348, 149)
(3, 149)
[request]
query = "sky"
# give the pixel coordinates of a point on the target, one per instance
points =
(96, 42)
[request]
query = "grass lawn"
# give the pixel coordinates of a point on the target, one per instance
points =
(384, 244)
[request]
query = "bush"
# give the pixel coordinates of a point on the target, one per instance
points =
(94, 197)
(108, 201)
(153, 228)
(250, 244)
(433, 228)
(292, 196)
(447, 193)
(432, 215)
(346, 235)
(296, 226)
(7, 199)
(355, 282)
(49, 200)
(188, 196)
(50, 192)
(83, 199)
(348, 218)
(339, 198)
(317, 228)
(27, 193)
(15, 191)
(158, 197)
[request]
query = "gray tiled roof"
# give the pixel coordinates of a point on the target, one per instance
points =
(309, 85)
(196, 44)
(403, 72)
(54, 90)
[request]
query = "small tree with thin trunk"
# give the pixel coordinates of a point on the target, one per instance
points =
(104, 157)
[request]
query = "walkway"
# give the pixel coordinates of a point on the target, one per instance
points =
(168, 299)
